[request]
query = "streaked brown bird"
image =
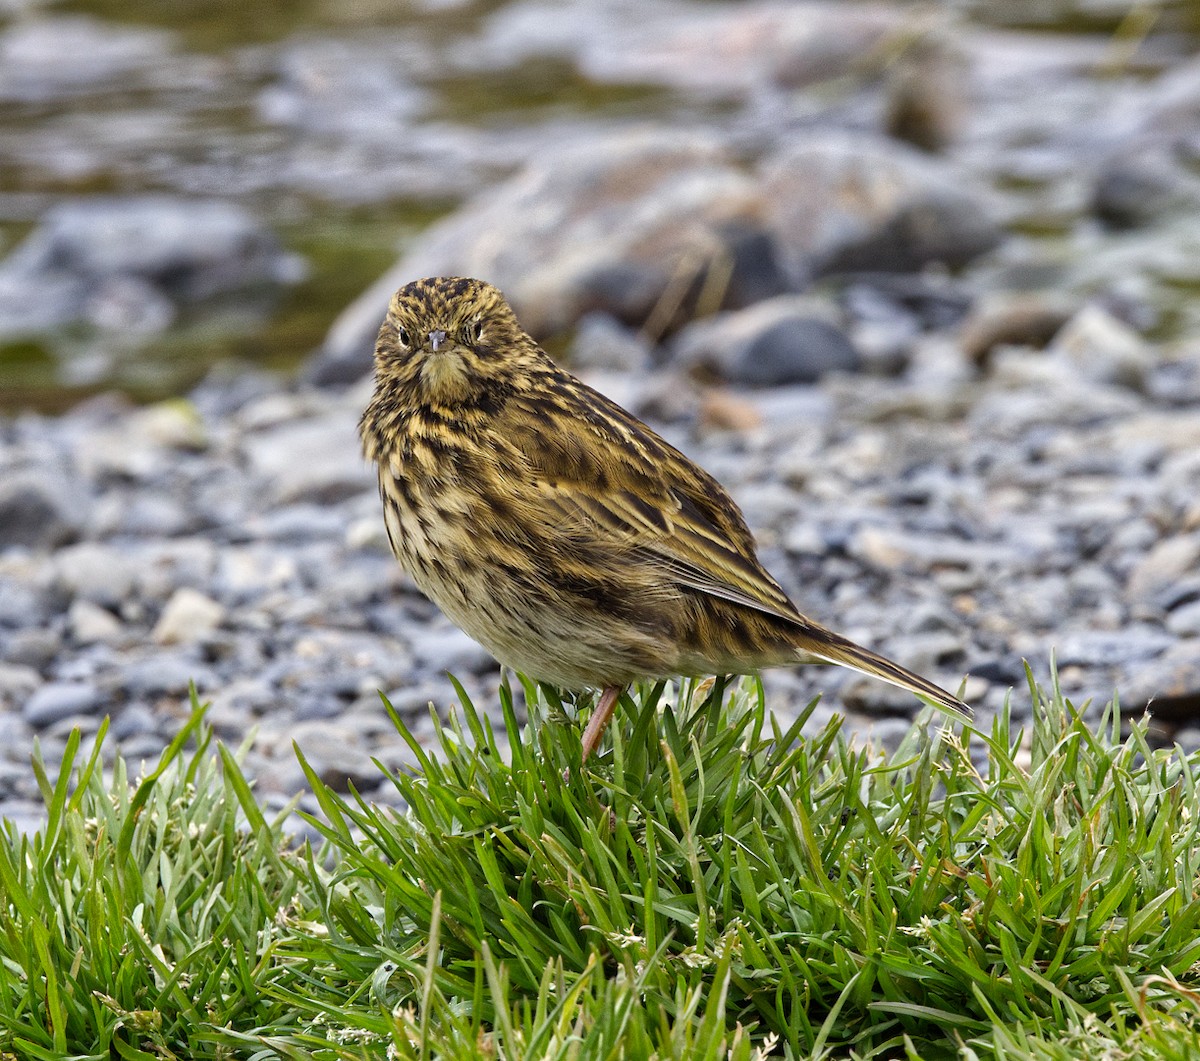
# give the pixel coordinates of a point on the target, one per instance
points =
(557, 529)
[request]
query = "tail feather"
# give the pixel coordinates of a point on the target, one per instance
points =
(826, 646)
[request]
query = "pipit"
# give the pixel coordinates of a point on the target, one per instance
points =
(557, 529)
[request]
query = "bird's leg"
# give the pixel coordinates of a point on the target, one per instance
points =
(598, 723)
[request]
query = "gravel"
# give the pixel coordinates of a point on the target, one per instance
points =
(961, 445)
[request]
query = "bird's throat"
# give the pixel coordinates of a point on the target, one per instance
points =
(445, 378)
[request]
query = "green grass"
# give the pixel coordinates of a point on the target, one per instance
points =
(711, 887)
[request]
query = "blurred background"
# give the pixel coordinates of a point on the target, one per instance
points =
(916, 282)
(187, 184)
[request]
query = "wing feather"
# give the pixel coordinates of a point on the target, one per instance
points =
(614, 481)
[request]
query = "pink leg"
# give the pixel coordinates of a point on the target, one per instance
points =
(598, 723)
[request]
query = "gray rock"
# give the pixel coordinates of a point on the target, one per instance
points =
(34, 511)
(26, 815)
(1143, 184)
(21, 605)
(142, 750)
(602, 343)
(1184, 621)
(136, 720)
(124, 263)
(1020, 319)
(245, 573)
(446, 648)
(777, 342)
(1105, 349)
(164, 675)
(299, 523)
(31, 52)
(96, 572)
(150, 516)
(1168, 683)
(741, 267)
(328, 87)
(1188, 738)
(318, 460)
(336, 755)
(88, 623)
(795, 350)
(869, 696)
(655, 200)
(188, 616)
(1175, 594)
(840, 202)
(716, 50)
(1168, 561)
(166, 566)
(87, 725)
(15, 736)
(56, 701)
(32, 647)
(1137, 644)
(17, 684)
(315, 707)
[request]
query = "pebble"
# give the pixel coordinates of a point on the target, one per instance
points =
(26, 816)
(1164, 564)
(722, 411)
(34, 647)
(33, 512)
(795, 350)
(851, 202)
(17, 684)
(1168, 684)
(164, 675)
(188, 616)
(1144, 186)
(338, 762)
(1013, 319)
(440, 648)
(124, 263)
(315, 461)
(781, 341)
(602, 343)
(20, 604)
(1184, 621)
(88, 623)
(136, 720)
(1105, 349)
(95, 572)
(1135, 644)
(948, 414)
(55, 701)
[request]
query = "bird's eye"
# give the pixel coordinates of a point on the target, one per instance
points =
(474, 331)
(402, 335)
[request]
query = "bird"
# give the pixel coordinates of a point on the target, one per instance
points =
(558, 530)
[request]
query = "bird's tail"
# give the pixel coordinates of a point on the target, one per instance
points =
(818, 644)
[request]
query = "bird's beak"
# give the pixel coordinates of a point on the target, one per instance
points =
(436, 339)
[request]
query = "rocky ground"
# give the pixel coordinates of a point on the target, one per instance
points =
(928, 318)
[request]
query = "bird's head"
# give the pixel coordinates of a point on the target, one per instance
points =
(446, 339)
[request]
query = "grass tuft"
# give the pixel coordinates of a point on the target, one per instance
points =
(711, 886)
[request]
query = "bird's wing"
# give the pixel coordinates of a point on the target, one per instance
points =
(612, 483)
